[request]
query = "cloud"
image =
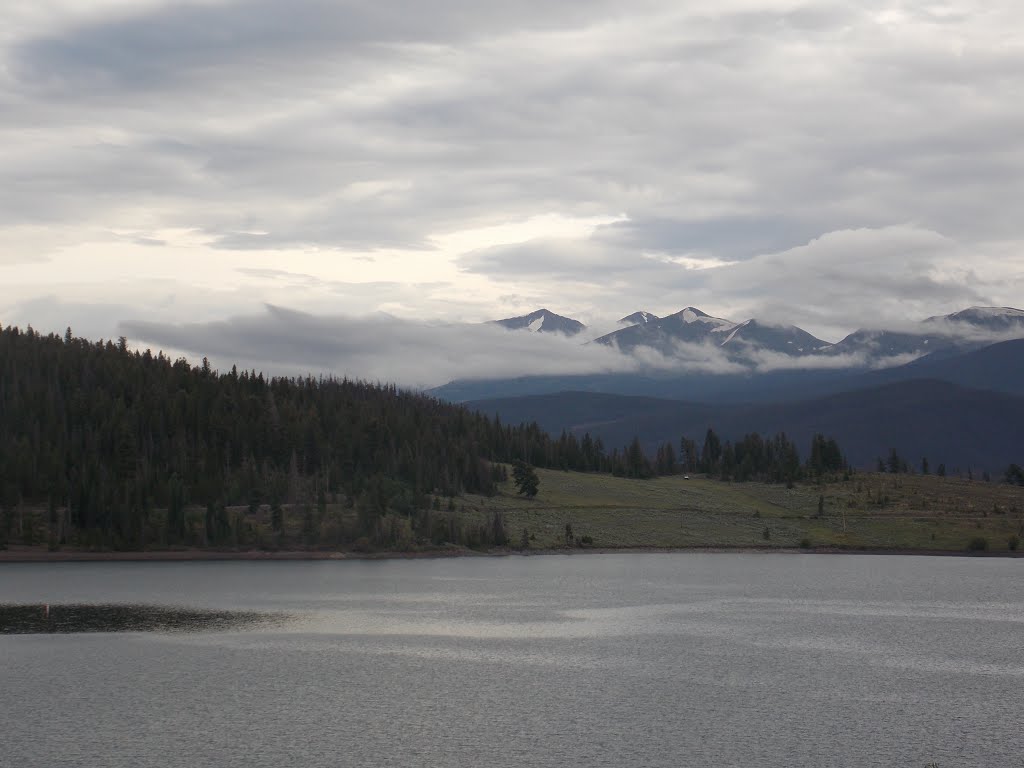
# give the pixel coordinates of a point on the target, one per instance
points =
(419, 354)
(683, 357)
(890, 277)
(764, 361)
(561, 259)
(728, 238)
(378, 347)
(52, 313)
(412, 353)
(842, 164)
(744, 130)
(165, 45)
(869, 278)
(594, 274)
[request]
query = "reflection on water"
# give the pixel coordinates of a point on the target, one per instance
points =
(65, 619)
(660, 661)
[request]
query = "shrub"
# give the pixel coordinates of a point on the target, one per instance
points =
(978, 544)
(1013, 542)
(805, 543)
(586, 540)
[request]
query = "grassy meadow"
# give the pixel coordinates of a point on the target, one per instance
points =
(868, 511)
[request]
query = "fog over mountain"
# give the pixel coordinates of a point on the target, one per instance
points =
(429, 354)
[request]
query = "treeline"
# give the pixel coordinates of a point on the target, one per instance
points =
(768, 460)
(121, 448)
(896, 464)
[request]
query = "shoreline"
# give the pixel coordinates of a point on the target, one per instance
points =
(36, 555)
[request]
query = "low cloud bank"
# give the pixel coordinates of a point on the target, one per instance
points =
(381, 347)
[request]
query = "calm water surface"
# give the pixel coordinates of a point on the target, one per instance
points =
(598, 660)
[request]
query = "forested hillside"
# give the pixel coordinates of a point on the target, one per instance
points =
(102, 436)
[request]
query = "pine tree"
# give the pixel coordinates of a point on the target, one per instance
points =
(525, 479)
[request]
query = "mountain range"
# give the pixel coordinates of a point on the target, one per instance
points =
(949, 387)
(710, 358)
(693, 326)
(745, 340)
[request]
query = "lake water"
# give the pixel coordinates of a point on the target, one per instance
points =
(596, 660)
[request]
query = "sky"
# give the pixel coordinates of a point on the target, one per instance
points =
(350, 187)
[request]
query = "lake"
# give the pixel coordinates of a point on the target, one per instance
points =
(596, 660)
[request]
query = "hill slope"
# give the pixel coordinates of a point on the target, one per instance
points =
(925, 418)
(997, 367)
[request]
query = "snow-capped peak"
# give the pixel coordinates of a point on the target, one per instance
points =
(638, 318)
(543, 320)
(691, 315)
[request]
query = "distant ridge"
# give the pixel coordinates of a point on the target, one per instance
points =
(997, 368)
(961, 427)
(960, 331)
(759, 362)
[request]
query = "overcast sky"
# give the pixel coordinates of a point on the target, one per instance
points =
(207, 174)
